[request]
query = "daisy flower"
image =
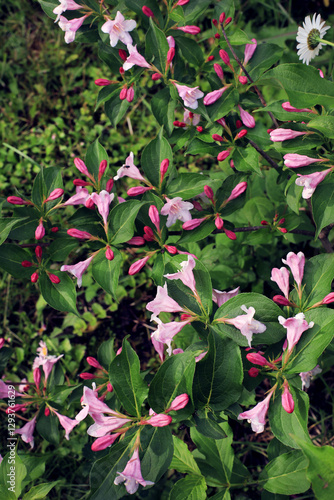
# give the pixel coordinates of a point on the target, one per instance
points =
(308, 38)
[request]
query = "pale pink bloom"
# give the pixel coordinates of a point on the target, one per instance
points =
(158, 420)
(237, 191)
(221, 297)
(249, 51)
(79, 198)
(176, 209)
(295, 160)
(283, 134)
(186, 274)
(189, 95)
(135, 59)
(67, 423)
(4, 390)
(103, 442)
(296, 262)
(78, 269)
(40, 231)
(213, 96)
(246, 324)
(308, 376)
(131, 475)
(167, 331)
(45, 360)
(281, 277)
(287, 399)
(192, 30)
(246, 118)
(287, 106)
(159, 347)
(70, 27)
(27, 432)
(295, 327)
(179, 402)
(118, 30)
(163, 303)
(129, 169)
(191, 121)
(257, 415)
(138, 265)
(193, 223)
(23, 387)
(64, 6)
(91, 404)
(102, 201)
(104, 425)
(310, 182)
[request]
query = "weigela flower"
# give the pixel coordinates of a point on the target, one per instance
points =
(307, 376)
(92, 405)
(295, 160)
(167, 331)
(291, 109)
(78, 269)
(296, 262)
(118, 29)
(246, 118)
(212, 97)
(103, 442)
(186, 274)
(281, 277)
(287, 399)
(129, 169)
(45, 360)
(308, 45)
(246, 324)
(102, 201)
(283, 134)
(163, 303)
(79, 198)
(189, 95)
(257, 415)
(310, 182)
(295, 327)
(67, 423)
(27, 431)
(135, 59)
(249, 51)
(191, 118)
(131, 475)
(105, 425)
(4, 390)
(70, 27)
(221, 297)
(64, 6)
(179, 402)
(176, 209)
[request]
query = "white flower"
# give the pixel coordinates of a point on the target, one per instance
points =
(176, 209)
(118, 29)
(308, 45)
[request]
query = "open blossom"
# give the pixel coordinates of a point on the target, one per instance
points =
(295, 326)
(45, 360)
(308, 46)
(249, 50)
(176, 209)
(102, 201)
(131, 475)
(296, 262)
(118, 29)
(310, 182)
(67, 423)
(70, 27)
(27, 431)
(281, 277)
(191, 118)
(294, 160)
(163, 303)
(4, 390)
(64, 6)
(257, 415)
(79, 198)
(246, 324)
(189, 95)
(105, 425)
(307, 376)
(167, 331)
(186, 274)
(135, 59)
(129, 169)
(78, 269)
(221, 297)
(92, 405)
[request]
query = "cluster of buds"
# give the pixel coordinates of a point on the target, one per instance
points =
(276, 224)
(101, 373)
(35, 275)
(223, 21)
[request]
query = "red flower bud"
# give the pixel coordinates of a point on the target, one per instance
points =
(328, 299)
(170, 55)
(109, 254)
(138, 265)
(55, 229)
(243, 80)
(241, 134)
(223, 155)
(16, 200)
(264, 223)
(227, 22)
(287, 399)
(26, 263)
(222, 17)
(217, 36)
(122, 94)
(224, 56)
(79, 182)
(215, 22)
(102, 82)
(123, 54)
(109, 185)
(37, 376)
(269, 130)
(156, 76)
(177, 123)
(210, 58)
(253, 372)
(147, 11)
(171, 249)
(54, 279)
(47, 412)
(257, 359)
(109, 387)
(164, 166)
(102, 168)
(230, 234)
(219, 222)
(208, 192)
(121, 71)
(238, 123)
(282, 229)
(34, 277)
(38, 252)
(217, 137)
(199, 129)
(86, 376)
(136, 240)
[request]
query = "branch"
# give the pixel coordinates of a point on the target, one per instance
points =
(247, 229)
(257, 90)
(265, 156)
(323, 237)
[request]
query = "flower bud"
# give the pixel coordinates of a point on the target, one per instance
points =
(217, 36)
(185, 317)
(38, 252)
(89, 203)
(149, 234)
(81, 183)
(253, 372)
(224, 56)
(182, 2)
(102, 82)
(34, 277)
(282, 229)
(109, 185)
(136, 240)
(223, 155)
(135, 191)
(26, 263)
(208, 192)
(54, 195)
(81, 235)
(121, 71)
(164, 167)
(199, 128)
(227, 22)
(222, 17)
(138, 265)
(287, 399)
(54, 279)
(222, 122)
(257, 359)
(192, 224)
(282, 301)
(219, 222)
(177, 123)
(109, 387)
(94, 362)
(158, 420)
(238, 190)
(238, 123)
(102, 168)
(179, 402)
(219, 71)
(16, 200)
(192, 30)
(232, 164)
(217, 137)
(81, 166)
(328, 299)
(47, 411)
(86, 376)
(170, 55)
(122, 94)
(230, 234)
(123, 54)
(130, 94)
(147, 11)
(243, 80)
(156, 76)
(241, 134)
(109, 254)
(55, 229)
(264, 223)
(153, 214)
(215, 22)
(210, 58)
(40, 231)
(171, 249)
(103, 442)
(37, 376)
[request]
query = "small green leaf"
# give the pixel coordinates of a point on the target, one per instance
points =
(40, 491)
(95, 154)
(11, 257)
(106, 272)
(187, 186)
(323, 205)
(61, 296)
(163, 108)
(190, 487)
(121, 221)
(286, 474)
(156, 151)
(183, 460)
(12, 472)
(246, 159)
(156, 46)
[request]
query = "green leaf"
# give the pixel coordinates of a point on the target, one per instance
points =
(199, 233)
(106, 353)
(183, 460)
(174, 377)
(60, 248)
(258, 208)
(207, 425)
(239, 37)
(122, 219)
(156, 46)
(286, 474)
(281, 114)
(106, 272)
(163, 108)
(47, 427)
(12, 471)
(320, 470)
(198, 147)
(284, 424)
(318, 276)
(40, 491)
(225, 103)
(5, 355)
(303, 85)
(157, 443)
(191, 50)
(190, 487)
(61, 296)
(11, 257)
(95, 154)
(156, 151)
(323, 205)
(187, 186)
(45, 182)
(246, 159)
(5, 494)
(107, 93)
(115, 109)
(325, 125)
(6, 225)
(218, 376)
(124, 375)
(264, 57)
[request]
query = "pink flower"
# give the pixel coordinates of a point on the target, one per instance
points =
(136, 240)
(257, 415)
(295, 327)
(70, 27)
(118, 30)
(328, 299)
(281, 277)
(295, 160)
(191, 118)
(189, 95)
(40, 231)
(77, 233)
(79, 198)
(129, 170)
(192, 30)
(78, 269)
(249, 51)
(104, 425)
(287, 106)
(103, 442)
(237, 191)
(223, 155)
(307, 376)
(176, 209)
(287, 399)
(54, 195)
(2, 343)
(167, 331)
(91, 404)
(282, 301)
(179, 402)
(158, 420)
(186, 274)
(27, 432)
(81, 166)
(138, 265)
(163, 303)
(283, 134)
(67, 423)
(4, 390)
(257, 359)
(296, 263)
(246, 324)
(221, 297)
(135, 191)
(310, 182)
(131, 475)
(102, 201)
(45, 360)
(64, 6)
(171, 42)
(135, 59)
(193, 223)
(212, 97)
(246, 118)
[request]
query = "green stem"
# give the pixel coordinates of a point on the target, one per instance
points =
(322, 40)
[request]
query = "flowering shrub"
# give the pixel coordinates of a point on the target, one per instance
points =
(262, 181)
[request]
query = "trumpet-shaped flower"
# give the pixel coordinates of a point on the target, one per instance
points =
(45, 360)
(67, 423)
(257, 415)
(221, 297)
(310, 182)
(135, 59)
(79, 198)
(281, 277)
(176, 209)
(246, 324)
(102, 201)
(91, 404)
(70, 27)
(186, 274)
(296, 262)
(118, 29)
(131, 475)
(78, 269)
(307, 376)
(163, 302)
(189, 95)
(27, 431)
(295, 327)
(129, 169)
(64, 6)
(167, 331)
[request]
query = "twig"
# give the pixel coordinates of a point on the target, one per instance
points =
(257, 90)
(323, 237)
(247, 229)
(265, 156)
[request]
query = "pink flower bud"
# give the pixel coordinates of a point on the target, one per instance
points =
(243, 80)
(135, 191)
(147, 11)
(149, 234)
(130, 94)
(123, 54)
(121, 71)
(192, 224)
(164, 167)
(232, 164)
(287, 399)
(156, 76)
(171, 249)
(227, 22)
(123, 92)
(158, 420)
(287, 106)
(294, 160)
(257, 359)
(237, 191)
(222, 17)
(246, 118)
(109, 185)
(212, 97)
(223, 155)
(109, 387)
(241, 134)
(103, 442)
(153, 214)
(192, 30)
(199, 128)
(253, 372)
(182, 2)
(282, 301)
(55, 229)
(54, 279)
(224, 56)
(81, 235)
(15, 200)
(79, 182)
(81, 166)
(185, 317)
(328, 299)
(321, 73)
(219, 71)
(54, 195)
(26, 263)
(109, 254)
(34, 277)
(38, 252)
(102, 82)
(230, 234)
(102, 168)
(170, 55)
(177, 123)
(86, 376)
(89, 203)
(179, 402)
(249, 50)
(94, 362)
(138, 265)
(217, 137)
(136, 240)
(222, 122)
(37, 376)
(47, 411)
(284, 134)
(40, 231)
(208, 192)
(119, 351)
(219, 223)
